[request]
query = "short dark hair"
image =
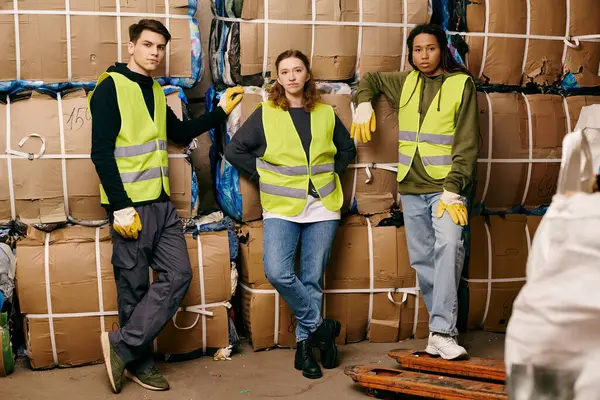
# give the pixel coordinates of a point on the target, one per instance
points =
(135, 30)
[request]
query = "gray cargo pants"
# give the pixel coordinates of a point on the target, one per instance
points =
(145, 309)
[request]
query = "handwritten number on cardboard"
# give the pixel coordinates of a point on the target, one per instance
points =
(78, 117)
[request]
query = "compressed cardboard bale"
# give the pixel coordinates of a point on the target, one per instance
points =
(50, 189)
(93, 45)
(68, 301)
(496, 271)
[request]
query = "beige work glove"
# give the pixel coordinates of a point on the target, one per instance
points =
(363, 122)
(454, 206)
(231, 98)
(127, 223)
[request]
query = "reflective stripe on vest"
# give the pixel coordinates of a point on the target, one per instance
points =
(284, 170)
(141, 145)
(434, 137)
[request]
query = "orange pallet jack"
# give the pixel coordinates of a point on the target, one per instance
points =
(433, 377)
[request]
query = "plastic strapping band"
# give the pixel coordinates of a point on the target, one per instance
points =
(99, 277)
(371, 269)
(202, 292)
(405, 33)
(119, 35)
(11, 189)
(490, 273)
(567, 30)
(312, 35)
(61, 126)
(528, 31)
(17, 39)
(568, 115)
(276, 333)
(416, 319)
(73, 315)
(530, 166)
(116, 13)
(168, 26)
(360, 39)
(266, 40)
(49, 296)
(69, 44)
(485, 40)
(490, 145)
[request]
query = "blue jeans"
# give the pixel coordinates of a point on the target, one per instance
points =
(436, 252)
(303, 293)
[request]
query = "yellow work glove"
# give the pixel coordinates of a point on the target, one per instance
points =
(363, 122)
(127, 223)
(231, 98)
(454, 206)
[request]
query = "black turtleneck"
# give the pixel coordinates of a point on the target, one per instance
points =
(106, 124)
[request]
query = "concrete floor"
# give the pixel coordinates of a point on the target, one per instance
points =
(241, 378)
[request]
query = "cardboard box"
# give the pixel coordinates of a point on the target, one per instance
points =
(347, 287)
(517, 128)
(93, 44)
(516, 61)
(51, 188)
(496, 272)
(335, 46)
(68, 304)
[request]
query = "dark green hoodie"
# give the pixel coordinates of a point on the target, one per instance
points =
(466, 138)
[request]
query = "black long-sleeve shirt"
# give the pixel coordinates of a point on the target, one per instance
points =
(250, 142)
(106, 124)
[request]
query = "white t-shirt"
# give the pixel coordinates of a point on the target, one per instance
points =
(314, 211)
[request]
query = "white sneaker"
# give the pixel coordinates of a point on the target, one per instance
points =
(445, 346)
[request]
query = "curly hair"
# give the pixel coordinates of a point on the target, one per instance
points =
(277, 92)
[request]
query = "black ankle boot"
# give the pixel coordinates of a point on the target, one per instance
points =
(324, 339)
(305, 361)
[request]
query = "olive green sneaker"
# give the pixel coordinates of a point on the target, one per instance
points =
(115, 367)
(149, 379)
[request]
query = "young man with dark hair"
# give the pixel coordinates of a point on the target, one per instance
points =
(131, 123)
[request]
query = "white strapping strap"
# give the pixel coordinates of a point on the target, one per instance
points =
(360, 39)
(116, 13)
(417, 301)
(405, 34)
(73, 315)
(567, 30)
(99, 277)
(49, 296)
(29, 156)
(490, 146)
(11, 189)
(202, 292)
(371, 270)
(530, 129)
(485, 38)
(528, 31)
(17, 37)
(61, 126)
(313, 16)
(568, 115)
(265, 39)
(168, 48)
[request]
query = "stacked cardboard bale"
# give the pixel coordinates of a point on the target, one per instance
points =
(47, 176)
(545, 42)
(68, 296)
(369, 287)
(56, 44)
(341, 38)
(521, 135)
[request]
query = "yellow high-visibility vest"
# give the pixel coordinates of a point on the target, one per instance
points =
(285, 171)
(435, 136)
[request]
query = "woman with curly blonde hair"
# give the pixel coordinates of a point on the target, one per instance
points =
(295, 148)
